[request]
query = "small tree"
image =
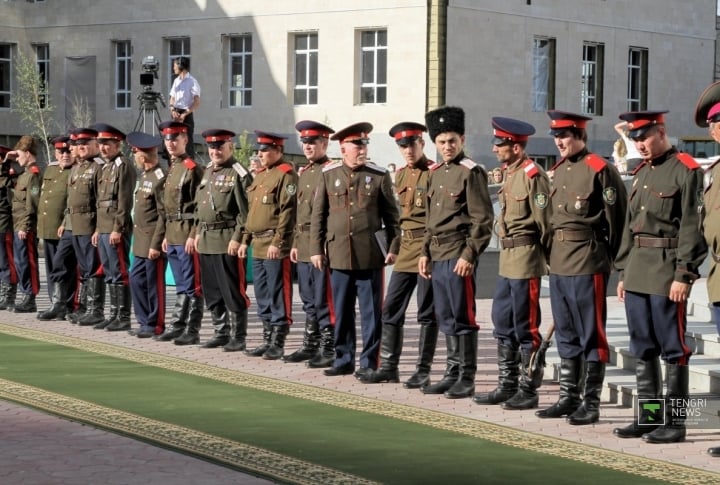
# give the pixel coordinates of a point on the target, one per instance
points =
(81, 114)
(244, 150)
(33, 103)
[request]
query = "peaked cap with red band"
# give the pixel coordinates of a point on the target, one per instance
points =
(266, 139)
(358, 132)
(562, 120)
(508, 130)
(310, 130)
(708, 106)
(407, 132)
(108, 132)
(171, 129)
(638, 122)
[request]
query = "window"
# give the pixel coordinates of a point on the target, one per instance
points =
(306, 69)
(637, 79)
(240, 71)
(543, 80)
(179, 47)
(591, 90)
(42, 57)
(5, 75)
(373, 66)
(123, 63)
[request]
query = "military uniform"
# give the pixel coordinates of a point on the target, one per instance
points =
(220, 217)
(351, 206)
(25, 208)
(8, 272)
(270, 222)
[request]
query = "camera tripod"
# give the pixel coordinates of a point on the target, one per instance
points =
(149, 120)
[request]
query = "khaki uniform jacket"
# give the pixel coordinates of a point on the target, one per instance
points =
(459, 213)
(310, 179)
(711, 228)
(411, 188)
(181, 185)
(82, 197)
(115, 186)
(272, 209)
(221, 206)
(665, 201)
(149, 229)
(350, 207)
(8, 177)
(524, 214)
(53, 200)
(588, 195)
(26, 196)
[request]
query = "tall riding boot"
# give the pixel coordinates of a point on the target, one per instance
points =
(310, 345)
(649, 386)
(426, 352)
(124, 303)
(59, 304)
(526, 396)
(222, 329)
(81, 310)
(678, 392)
(570, 378)
(238, 331)
(96, 303)
(391, 344)
(262, 348)
(465, 385)
(589, 411)
(325, 356)
(113, 301)
(27, 305)
(508, 372)
(178, 321)
(191, 334)
(3, 294)
(277, 342)
(452, 368)
(9, 302)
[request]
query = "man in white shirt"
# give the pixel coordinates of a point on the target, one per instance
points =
(185, 99)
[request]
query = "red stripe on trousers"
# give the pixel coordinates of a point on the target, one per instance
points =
(534, 316)
(599, 288)
(287, 289)
(160, 285)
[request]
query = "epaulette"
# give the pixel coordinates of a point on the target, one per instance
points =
(53, 163)
(469, 164)
(159, 174)
(239, 169)
(530, 168)
(35, 169)
(687, 160)
(432, 165)
(712, 165)
(595, 162)
(331, 166)
(285, 167)
(435, 167)
(189, 163)
(303, 168)
(376, 168)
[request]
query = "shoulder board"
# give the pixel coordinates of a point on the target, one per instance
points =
(530, 168)
(239, 169)
(99, 161)
(436, 166)
(331, 166)
(376, 168)
(51, 164)
(595, 162)
(432, 165)
(285, 167)
(302, 169)
(713, 165)
(159, 174)
(35, 169)
(687, 160)
(469, 164)
(189, 163)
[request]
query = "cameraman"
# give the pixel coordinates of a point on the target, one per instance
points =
(185, 99)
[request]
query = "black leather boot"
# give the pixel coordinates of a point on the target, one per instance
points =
(238, 322)
(426, 353)
(124, 305)
(113, 305)
(222, 329)
(678, 392)
(452, 368)
(26, 305)
(589, 410)
(178, 320)
(526, 396)
(3, 295)
(391, 343)
(262, 348)
(465, 385)
(570, 378)
(508, 373)
(277, 342)
(714, 451)
(325, 356)
(80, 311)
(310, 345)
(58, 309)
(648, 377)
(9, 302)
(96, 303)
(191, 334)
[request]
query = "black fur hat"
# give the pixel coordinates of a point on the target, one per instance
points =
(445, 119)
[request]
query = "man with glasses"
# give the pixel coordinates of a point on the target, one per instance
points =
(318, 347)
(60, 260)
(220, 216)
(659, 259)
(353, 205)
(269, 229)
(9, 171)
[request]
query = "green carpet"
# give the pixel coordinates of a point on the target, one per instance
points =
(364, 444)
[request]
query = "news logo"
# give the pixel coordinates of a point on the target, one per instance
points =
(651, 412)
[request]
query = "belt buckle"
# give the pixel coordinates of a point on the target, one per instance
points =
(560, 235)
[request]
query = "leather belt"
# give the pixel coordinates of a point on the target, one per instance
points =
(303, 227)
(80, 210)
(412, 233)
(574, 235)
(214, 226)
(517, 241)
(107, 203)
(260, 235)
(655, 242)
(440, 240)
(180, 217)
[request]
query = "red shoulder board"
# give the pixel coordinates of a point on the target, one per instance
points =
(302, 169)
(432, 165)
(595, 162)
(35, 169)
(530, 168)
(285, 167)
(688, 161)
(189, 163)
(436, 167)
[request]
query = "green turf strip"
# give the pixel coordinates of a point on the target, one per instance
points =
(366, 445)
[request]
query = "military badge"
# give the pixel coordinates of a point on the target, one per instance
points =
(337, 182)
(291, 189)
(578, 205)
(264, 199)
(610, 195)
(35, 190)
(541, 200)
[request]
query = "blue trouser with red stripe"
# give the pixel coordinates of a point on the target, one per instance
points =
(516, 313)
(8, 272)
(115, 259)
(147, 285)
(314, 288)
(454, 299)
(272, 280)
(185, 269)
(25, 253)
(224, 283)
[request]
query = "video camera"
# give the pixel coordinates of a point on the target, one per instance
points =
(150, 67)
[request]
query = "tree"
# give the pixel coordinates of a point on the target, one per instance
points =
(32, 102)
(244, 149)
